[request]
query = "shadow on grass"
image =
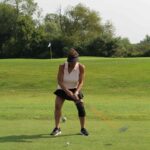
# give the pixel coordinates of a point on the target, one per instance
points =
(29, 138)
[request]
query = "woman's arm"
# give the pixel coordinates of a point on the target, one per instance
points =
(81, 78)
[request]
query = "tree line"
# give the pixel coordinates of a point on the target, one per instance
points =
(25, 34)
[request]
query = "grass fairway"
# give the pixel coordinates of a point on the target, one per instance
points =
(117, 94)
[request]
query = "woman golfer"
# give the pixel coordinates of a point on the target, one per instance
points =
(70, 81)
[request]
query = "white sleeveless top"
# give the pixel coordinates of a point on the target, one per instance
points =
(71, 79)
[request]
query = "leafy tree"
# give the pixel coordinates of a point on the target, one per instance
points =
(108, 30)
(8, 19)
(27, 7)
(19, 35)
(102, 47)
(20, 46)
(143, 48)
(39, 43)
(124, 47)
(80, 25)
(52, 26)
(146, 40)
(25, 30)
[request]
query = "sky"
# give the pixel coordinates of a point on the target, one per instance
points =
(129, 17)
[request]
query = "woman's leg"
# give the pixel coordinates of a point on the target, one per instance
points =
(82, 122)
(58, 106)
(81, 113)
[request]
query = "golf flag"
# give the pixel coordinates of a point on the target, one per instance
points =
(49, 45)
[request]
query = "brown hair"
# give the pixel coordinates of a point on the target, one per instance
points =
(73, 53)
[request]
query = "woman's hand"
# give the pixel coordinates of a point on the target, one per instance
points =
(69, 93)
(73, 95)
(76, 95)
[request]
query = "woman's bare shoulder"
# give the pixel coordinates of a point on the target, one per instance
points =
(81, 66)
(61, 66)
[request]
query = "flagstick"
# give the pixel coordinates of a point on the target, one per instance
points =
(50, 49)
(50, 52)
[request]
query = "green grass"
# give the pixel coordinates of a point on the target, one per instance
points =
(116, 90)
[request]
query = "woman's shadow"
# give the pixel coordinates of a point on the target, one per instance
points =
(29, 138)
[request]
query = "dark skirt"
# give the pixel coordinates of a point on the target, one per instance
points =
(61, 93)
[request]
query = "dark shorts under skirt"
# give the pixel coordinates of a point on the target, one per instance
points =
(61, 93)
